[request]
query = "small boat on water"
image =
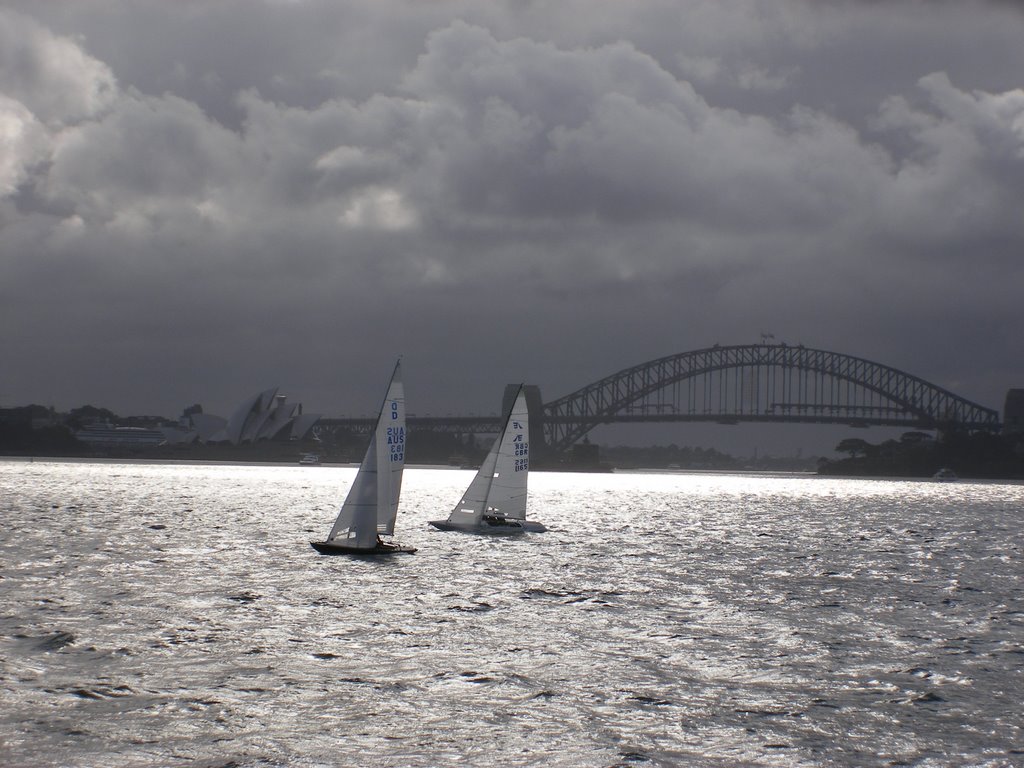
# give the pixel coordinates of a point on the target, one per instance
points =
(371, 507)
(495, 502)
(309, 460)
(945, 475)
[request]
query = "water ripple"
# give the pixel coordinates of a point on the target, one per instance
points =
(161, 614)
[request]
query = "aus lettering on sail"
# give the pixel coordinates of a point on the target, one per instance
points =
(396, 437)
(522, 448)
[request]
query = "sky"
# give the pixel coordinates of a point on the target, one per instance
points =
(200, 200)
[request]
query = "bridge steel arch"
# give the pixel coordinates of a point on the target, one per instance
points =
(761, 382)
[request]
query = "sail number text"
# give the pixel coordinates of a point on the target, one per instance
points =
(396, 443)
(521, 449)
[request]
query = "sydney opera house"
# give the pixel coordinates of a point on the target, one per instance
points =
(265, 416)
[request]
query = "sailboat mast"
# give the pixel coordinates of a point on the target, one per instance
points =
(394, 372)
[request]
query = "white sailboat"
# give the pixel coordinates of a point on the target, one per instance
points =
(371, 506)
(495, 501)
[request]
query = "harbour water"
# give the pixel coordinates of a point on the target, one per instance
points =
(175, 615)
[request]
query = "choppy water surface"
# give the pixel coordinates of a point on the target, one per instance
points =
(162, 615)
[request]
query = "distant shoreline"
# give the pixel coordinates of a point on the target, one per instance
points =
(22, 459)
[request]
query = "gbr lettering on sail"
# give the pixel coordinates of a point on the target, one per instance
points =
(522, 448)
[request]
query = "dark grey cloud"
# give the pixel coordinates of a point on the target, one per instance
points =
(199, 200)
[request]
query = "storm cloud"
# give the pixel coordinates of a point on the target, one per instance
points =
(201, 200)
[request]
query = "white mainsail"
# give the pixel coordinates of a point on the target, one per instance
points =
(372, 502)
(499, 488)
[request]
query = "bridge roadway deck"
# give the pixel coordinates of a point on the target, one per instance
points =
(455, 424)
(487, 425)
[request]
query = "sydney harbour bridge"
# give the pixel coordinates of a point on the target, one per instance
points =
(730, 384)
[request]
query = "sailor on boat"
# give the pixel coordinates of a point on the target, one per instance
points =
(496, 521)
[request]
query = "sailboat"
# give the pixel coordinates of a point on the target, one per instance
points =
(371, 506)
(495, 501)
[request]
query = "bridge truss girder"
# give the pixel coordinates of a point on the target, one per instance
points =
(744, 382)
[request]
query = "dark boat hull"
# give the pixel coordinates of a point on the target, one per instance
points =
(381, 549)
(482, 528)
